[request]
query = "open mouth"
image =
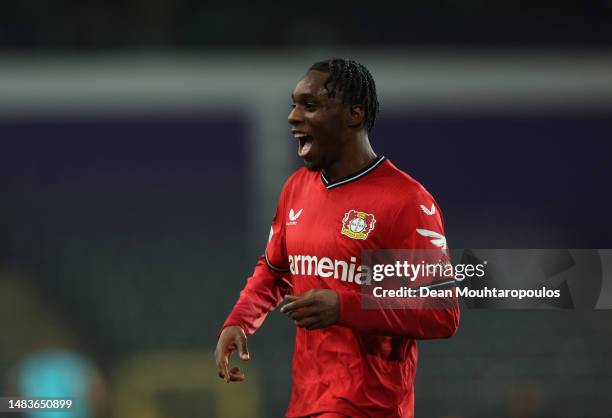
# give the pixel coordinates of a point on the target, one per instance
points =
(304, 143)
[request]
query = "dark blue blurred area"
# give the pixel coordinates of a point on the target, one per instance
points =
(546, 176)
(129, 221)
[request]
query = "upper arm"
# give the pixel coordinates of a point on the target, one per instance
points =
(419, 224)
(276, 250)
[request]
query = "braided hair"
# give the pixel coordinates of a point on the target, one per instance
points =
(353, 84)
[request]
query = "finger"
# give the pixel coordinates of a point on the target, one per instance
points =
(290, 298)
(236, 375)
(298, 315)
(308, 322)
(317, 325)
(222, 362)
(293, 298)
(243, 349)
(300, 303)
(219, 361)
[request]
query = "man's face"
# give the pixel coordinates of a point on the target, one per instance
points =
(318, 122)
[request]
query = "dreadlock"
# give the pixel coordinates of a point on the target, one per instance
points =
(353, 84)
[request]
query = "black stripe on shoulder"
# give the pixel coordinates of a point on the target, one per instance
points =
(273, 267)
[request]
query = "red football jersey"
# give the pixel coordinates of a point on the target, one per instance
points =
(364, 366)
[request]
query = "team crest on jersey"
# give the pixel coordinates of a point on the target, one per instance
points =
(357, 225)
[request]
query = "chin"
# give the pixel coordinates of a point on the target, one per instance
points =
(313, 165)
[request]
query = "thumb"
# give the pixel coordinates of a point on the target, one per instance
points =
(243, 350)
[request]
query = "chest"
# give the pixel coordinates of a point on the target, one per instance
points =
(335, 224)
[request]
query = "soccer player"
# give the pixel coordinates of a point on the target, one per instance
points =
(348, 361)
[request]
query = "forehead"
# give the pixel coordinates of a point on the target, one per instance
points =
(313, 84)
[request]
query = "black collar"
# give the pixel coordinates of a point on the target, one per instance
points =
(344, 180)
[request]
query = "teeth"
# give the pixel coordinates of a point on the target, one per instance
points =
(299, 135)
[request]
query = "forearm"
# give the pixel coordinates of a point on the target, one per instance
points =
(440, 321)
(263, 291)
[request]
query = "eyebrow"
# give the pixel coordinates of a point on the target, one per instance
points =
(304, 96)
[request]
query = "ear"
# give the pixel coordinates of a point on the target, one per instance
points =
(355, 116)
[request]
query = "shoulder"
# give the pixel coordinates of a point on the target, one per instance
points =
(301, 174)
(298, 177)
(412, 207)
(296, 181)
(404, 188)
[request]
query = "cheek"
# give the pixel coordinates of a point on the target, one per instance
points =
(327, 126)
(335, 122)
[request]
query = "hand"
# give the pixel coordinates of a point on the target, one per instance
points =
(231, 339)
(315, 309)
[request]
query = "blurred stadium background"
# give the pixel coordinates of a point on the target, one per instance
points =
(143, 146)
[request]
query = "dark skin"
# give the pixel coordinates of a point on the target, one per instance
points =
(337, 144)
(340, 145)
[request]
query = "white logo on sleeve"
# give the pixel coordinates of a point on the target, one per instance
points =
(438, 240)
(271, 233)
(429, 212)
(293, 216)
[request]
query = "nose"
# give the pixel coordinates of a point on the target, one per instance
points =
(295, 116)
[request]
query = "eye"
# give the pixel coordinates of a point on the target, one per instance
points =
(310, 106)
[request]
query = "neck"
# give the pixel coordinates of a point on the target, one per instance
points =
(357, 154)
